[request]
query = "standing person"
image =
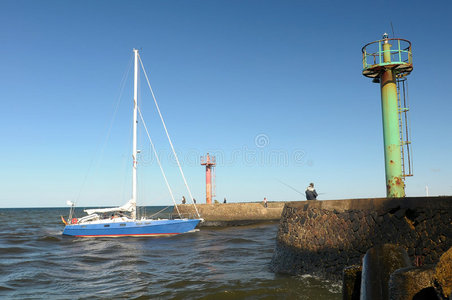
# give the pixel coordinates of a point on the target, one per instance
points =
(265, 202)
(194, 200)
(183, 200)
(224, 201)
(311, 194)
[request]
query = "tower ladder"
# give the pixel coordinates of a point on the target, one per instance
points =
(214, 182)
(404, 128)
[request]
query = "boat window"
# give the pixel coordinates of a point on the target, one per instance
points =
(139, 223)
(148, 223)
(83, 226)
(106, 225)
(123, 224)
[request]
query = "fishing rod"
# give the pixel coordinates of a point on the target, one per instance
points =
(291, 187)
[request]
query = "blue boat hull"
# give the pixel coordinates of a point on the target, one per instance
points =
(137, 228)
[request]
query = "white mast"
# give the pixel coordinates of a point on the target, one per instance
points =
(134, 153)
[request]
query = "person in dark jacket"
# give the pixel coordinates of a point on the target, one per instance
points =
(311, 194)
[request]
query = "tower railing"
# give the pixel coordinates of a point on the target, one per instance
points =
(400, 53)
(207, 159)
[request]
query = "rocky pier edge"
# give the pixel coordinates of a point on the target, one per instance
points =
(323, 237)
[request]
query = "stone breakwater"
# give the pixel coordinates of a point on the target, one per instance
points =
(322, 237)
(233, 214)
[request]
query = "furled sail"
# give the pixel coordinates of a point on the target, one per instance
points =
(128, 207)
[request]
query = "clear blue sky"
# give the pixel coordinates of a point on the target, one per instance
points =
(227, 74)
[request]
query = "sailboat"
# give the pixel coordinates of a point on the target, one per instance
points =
(122, 220)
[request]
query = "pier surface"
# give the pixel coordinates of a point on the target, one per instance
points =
(234, 214)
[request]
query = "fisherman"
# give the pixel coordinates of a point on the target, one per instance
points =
(183, 200)
(224, 201)
(265, 202)
(311, 194)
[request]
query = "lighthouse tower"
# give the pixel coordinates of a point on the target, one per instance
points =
(209, 162)
(389, 62)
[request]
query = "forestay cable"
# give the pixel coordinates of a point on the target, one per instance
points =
(169, 139)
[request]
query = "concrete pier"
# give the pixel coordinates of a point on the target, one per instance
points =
(234, 214)
(387, 274)
(378, 265)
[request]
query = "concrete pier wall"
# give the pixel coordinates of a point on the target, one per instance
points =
(232, 214)
(322, 237)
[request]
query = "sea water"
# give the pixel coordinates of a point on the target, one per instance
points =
(212, 263)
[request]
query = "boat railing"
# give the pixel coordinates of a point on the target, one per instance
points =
(171, 215)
